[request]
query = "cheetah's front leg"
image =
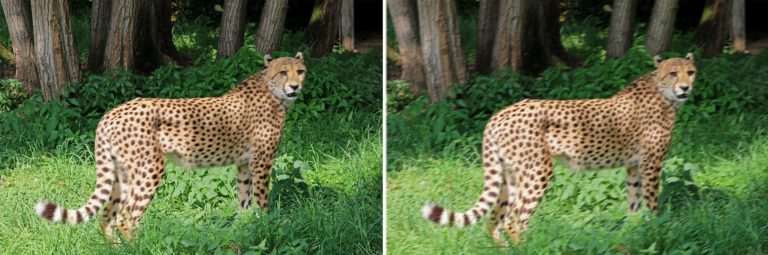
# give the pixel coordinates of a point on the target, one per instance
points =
(651, 173)
(261, 170)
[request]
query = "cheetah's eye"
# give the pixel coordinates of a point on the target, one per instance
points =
(691, 73)
(673, 74)
(300, 72)
(283, 73)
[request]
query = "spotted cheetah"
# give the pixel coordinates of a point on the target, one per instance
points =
(242, 127)
(631, 129)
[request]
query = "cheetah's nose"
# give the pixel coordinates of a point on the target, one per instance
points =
(684, 88)
(295, 87)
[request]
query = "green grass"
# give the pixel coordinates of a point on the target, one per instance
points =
(586, 212)
(196, 211)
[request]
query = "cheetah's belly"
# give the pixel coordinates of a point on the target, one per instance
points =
(602, 154)
(195, 153)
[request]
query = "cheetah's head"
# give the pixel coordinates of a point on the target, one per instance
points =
(675, 77)
(285, 75)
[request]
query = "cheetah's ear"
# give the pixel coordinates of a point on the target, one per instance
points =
(299, 56)
(689, 56)
(657, 60)
(267, 59)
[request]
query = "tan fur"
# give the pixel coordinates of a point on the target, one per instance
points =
(242, 127)
(631, 129)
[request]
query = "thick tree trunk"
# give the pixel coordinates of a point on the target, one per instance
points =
(271, 26)
(738, 31)
(486, 30)
(659, 34)
(100, 25)
(135, 35)
(441, 47)
(348, 24)
(19, 19)
(549, 32)
(57, 60)
(621, 28)
(403, 13)
(323, 26)
(232, 28)
(714, 27)
(121, 36)
(508, 41)
(527, 37)
(161, 47)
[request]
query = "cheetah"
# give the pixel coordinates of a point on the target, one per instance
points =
(243, 127)
(632, 129)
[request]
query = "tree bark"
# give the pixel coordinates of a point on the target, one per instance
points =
(19, 18)
(100, 25)
(271, 26)
(441, 47)
(527, 37)
(348, 24)
(486, 30)
(508, 41)
(322, 30)
(161, 47)
(232, 28)
(403, 13)
(123, 36)
(549, 32)
(621, 28)
(659, 34)
(714, 27)
(57, 60)
(738, 31)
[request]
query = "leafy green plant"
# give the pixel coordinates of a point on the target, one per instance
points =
(10, 94)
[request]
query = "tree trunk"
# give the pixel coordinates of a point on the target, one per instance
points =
(57, 60)
(19, 19)
(348, 24)
(100, 25)
(486, 30)
(441, 47)
(527, 37)
(232, 28)
(403, 13)
(659, 34)
(621, 28)
(549, 32)
(161, 47)
(123, 36)
(714, 27)
(508, 41)
(323, 26)
(738, 31)
(271, 26)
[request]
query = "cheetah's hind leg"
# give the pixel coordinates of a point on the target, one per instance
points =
(499, 213)
(109, 216)
(244, 187)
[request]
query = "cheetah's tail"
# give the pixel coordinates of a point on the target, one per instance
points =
(105, 177)
(489, 197)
